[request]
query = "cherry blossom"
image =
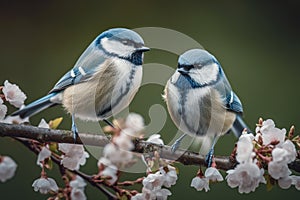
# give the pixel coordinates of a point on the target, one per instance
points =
(77, 192)
(74, 155)
(155, 138)
(246, 176)
(13, 94)
(7, 168)
(200, 183)
(245, 148)
(296, 181)
(170, 175)
(278, 169)
(43, 154)
(110, 172)
(285, 182)
(213, 174)
(270, 133)
(44, 185)
(3, 109)
(154, 181)
(135, 122)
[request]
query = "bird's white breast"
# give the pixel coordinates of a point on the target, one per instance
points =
(198, 111)
(109, 91)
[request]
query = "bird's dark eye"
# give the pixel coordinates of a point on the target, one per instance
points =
(187, 67)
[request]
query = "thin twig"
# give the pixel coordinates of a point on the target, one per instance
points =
(86, 177)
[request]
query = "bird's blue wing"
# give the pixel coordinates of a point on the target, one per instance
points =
(233, 102)
(86, 66)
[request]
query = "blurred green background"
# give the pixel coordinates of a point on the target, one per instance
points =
(257, 43)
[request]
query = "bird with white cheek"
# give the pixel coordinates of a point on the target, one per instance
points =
(200, 100)
(102, 82)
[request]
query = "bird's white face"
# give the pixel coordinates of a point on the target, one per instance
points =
(206, 74)
(122, 48)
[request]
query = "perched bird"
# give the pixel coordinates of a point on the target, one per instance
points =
(103, 81)
(200, 100)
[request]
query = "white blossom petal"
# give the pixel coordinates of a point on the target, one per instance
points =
(74, 155)
(45, 185)
(155, 138)
(296, 181)
(13, 94)
(246, 176)
(200, 183)
(124, 141)
(245, 148)
(77, 192)
(278, 169)
(138, 196)
(153, 181)
(213, 174)
(285, 182)
(7, 168)
(116, 155)
(3, 109)
(43, 124)
(44, 153)
(170, 177)
(135, 122)
(110, 171)
(162, 194)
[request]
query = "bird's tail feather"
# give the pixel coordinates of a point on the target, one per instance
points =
(36, 106)
(238, 126)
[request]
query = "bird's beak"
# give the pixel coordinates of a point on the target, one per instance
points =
(143, 49)
(182, 71)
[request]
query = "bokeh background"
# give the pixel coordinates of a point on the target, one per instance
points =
(257, 43)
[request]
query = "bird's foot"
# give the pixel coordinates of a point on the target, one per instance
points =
(209, 157)
(177, 143)
(75, 131)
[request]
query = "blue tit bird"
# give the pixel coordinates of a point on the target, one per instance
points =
(200, 99)
(103, 81)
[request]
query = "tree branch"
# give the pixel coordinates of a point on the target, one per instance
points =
(141, 146)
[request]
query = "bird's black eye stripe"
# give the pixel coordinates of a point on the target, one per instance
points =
(186, 67)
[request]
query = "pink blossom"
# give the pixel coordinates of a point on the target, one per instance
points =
(13, 94)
